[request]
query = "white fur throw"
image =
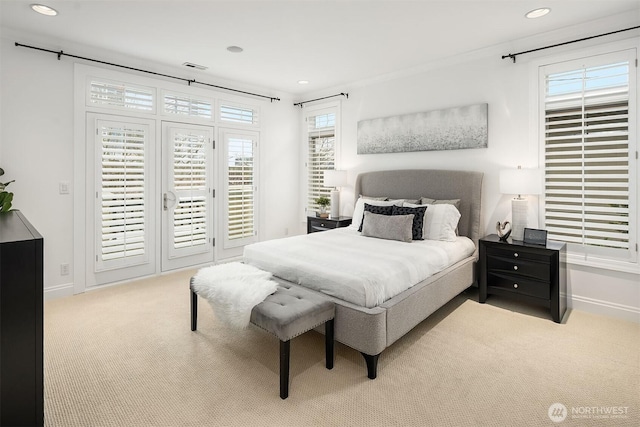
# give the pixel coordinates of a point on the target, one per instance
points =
(233, 290)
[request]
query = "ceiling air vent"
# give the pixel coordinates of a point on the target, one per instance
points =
(196, 66)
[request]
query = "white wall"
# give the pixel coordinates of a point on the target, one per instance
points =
(36, 142)
(37, 145)
(477, 78)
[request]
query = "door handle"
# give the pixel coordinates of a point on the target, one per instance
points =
(166, 199)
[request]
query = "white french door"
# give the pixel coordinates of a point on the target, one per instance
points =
(146, 212)
(187, 195)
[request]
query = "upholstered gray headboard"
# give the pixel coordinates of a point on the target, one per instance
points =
(436, 184)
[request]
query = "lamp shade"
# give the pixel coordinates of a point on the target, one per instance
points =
(335, 178)
(521, 181)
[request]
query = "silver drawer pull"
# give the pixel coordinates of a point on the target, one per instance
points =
(515, 285)
(515, 254)
(515, 267)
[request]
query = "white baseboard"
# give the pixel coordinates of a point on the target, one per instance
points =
(58, 291)
(606, 308)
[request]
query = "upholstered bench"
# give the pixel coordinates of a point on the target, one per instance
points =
(287, 313)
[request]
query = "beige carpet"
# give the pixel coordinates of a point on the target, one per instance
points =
(125, 356)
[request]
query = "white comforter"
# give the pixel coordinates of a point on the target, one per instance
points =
(362, 270)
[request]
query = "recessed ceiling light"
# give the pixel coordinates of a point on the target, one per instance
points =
(537, 13)
(44, 10)
(303, 82)
(235, 49)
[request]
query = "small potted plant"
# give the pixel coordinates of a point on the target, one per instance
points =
(323, 202)
(5, 197)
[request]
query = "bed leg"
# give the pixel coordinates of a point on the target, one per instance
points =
(372, 365)
(194, 311)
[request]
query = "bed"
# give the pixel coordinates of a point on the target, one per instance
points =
(371, 322)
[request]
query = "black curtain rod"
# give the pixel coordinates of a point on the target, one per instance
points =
(513, 55)
(301, 103)
(189, 82)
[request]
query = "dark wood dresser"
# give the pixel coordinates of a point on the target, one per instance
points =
(532, 273)
(21, 322)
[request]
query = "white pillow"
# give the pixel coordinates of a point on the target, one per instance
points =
(440, 222)
(358, 211)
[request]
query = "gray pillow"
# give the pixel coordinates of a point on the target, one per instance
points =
(429, 201)
(390, 227)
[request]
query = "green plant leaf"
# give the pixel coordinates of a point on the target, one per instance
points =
(5, 201)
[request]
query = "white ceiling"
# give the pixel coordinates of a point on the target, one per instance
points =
(329, 43)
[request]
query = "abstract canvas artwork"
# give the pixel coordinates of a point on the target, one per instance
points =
(450, 129)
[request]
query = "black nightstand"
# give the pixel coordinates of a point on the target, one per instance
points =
(524, 272)
(315, 223)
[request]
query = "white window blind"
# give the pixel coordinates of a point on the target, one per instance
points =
(237, 114)
(185, 105)
(321, 134)
(241, 188)
(587, 155)
(121, 95)
(190, 184)
(122, 182)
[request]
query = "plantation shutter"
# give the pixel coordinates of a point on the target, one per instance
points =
(185, 105)
(588, 201)
(190, 185)
(122, 182)
(241, 188)
(321, 133)
(237, 114)
(122, 95)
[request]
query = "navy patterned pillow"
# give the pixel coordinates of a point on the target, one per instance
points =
(380, 210)
(418, 218)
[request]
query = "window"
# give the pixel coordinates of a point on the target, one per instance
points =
(190, 185)
(589, 155)
(240, 187)
(186, 105)
(321, 146)
(238, 114)
(122, 181)
(112, 94)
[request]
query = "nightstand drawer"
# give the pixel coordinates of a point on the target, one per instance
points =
(322, 224)
(520, 266)
(515, 253)
(519, 285)
(315, 224)
(320, 227)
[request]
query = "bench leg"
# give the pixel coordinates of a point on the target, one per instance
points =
(328, 343)
(285, 349)
(194, 311)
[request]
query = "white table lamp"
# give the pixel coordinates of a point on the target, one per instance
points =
(521, 182)
(335, 179)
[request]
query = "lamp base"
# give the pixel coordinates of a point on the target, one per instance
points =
(335, 203)
(519, 210)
